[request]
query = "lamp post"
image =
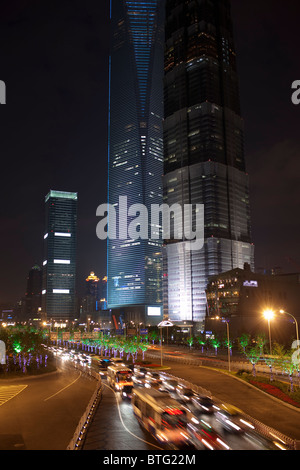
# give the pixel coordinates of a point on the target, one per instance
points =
(269, 315)
(228, 344)
(161, 325)
(296, 323)
(225, 320)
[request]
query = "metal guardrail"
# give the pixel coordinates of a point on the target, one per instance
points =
(80, 432)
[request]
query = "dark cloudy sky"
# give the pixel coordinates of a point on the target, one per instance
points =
(53, 129)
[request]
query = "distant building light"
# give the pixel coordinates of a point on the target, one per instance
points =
(45, 236)
(61, 261)
(44, 292)
(45, 262)
(62, 234)
(61, 291)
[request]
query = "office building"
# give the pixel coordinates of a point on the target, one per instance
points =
(135, 153)
(90, 303)
(59, 263)
(203, 152)
(240, 296)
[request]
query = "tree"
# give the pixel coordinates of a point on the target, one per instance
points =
(284, 359)
(201, 341)
(153, 335)
(215, 343)
(244, 341)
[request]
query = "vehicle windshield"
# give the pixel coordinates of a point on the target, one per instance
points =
(124, 376)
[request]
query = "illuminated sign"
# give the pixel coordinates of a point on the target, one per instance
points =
(250, 284)
(153, 311)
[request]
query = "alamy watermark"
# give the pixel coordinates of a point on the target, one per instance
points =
(296, 94)
(2, 92)
(164, 222)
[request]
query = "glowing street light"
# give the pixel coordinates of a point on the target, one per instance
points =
(269, 315)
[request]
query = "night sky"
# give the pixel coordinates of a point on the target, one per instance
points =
(53, 134)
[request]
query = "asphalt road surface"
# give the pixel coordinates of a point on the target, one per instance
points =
(42, 413)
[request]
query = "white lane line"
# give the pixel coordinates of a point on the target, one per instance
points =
(64, 388)
(7, 392)
(125, 427)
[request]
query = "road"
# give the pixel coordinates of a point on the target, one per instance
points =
(42, 413)
(253, 402)
(115, 428)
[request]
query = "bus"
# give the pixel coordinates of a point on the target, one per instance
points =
(162, 416)
(119, 376)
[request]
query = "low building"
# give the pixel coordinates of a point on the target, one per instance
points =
(241, 296)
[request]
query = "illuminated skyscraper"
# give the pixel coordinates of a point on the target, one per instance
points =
(59, 264)
(135, 147)
(203, 151)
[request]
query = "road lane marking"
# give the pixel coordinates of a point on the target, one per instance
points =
(62, 389)
(7, 392)
(125, 427)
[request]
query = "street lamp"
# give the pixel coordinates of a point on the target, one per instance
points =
(161, 325)
(296, 323)
(269, 315)
(228, 340)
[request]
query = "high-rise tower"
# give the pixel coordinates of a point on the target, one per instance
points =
(135, 148)
(203, 150)
(59, 265)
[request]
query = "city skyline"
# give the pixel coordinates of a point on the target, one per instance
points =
(273, 179)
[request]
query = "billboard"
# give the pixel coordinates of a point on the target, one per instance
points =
(153, 311)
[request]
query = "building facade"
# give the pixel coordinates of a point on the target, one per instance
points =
(240, 296)
(135, 166)
(59, 264)
(203, 151)
(90, 303)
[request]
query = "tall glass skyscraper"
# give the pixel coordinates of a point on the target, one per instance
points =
(59, 265)
(203, 151)
(134, 267)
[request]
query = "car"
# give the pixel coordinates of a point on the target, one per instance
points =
(184, 393)
(127, 392)
(140, 370)
(231, 419)
(117, 360)
(103, 365)
(139, 380)
(152, 380)
(203, 404)
(204, 436)
(169, 384)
